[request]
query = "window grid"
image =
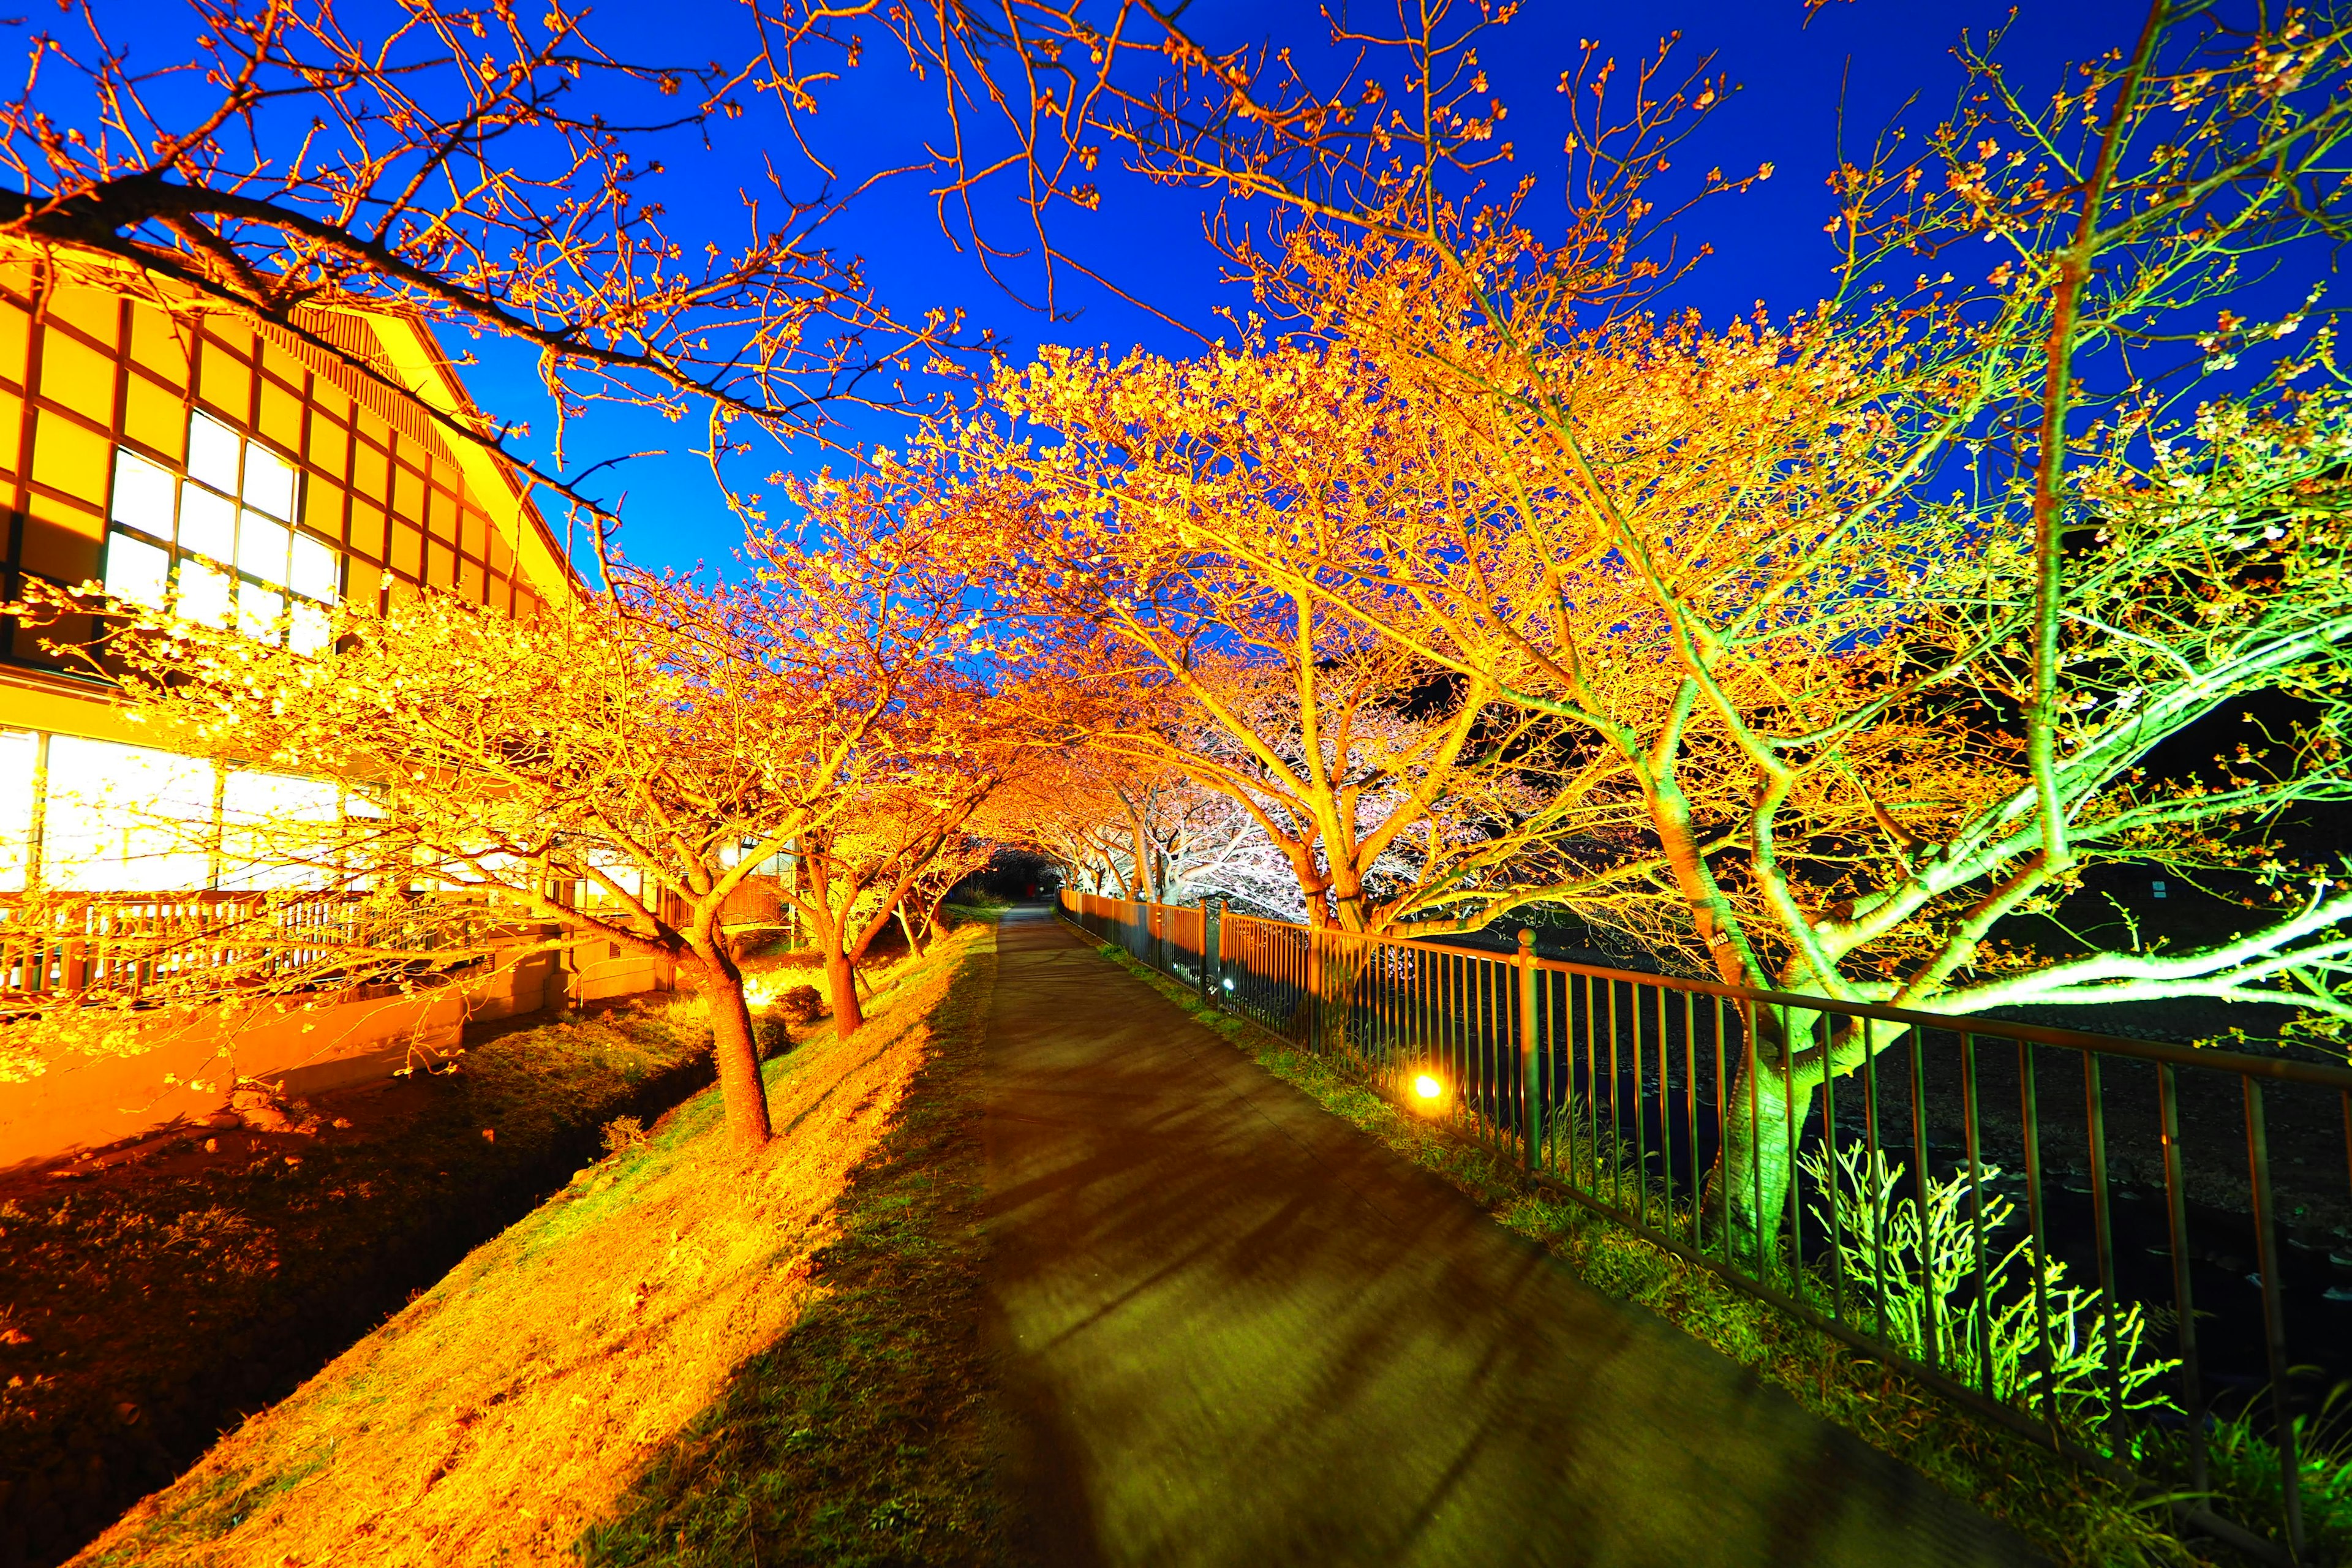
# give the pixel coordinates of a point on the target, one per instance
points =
(219, 539)
(257, 386)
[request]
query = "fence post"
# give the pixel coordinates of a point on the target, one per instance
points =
(1208, 963)
(1531, 1112)
(1314, 988)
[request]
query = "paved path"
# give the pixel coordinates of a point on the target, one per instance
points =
(1240, 1333)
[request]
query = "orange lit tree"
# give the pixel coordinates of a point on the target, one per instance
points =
(904, 834)
(652, 746)
(1126, 827)
(1403, 798)
(491, 168)
(1886, 610)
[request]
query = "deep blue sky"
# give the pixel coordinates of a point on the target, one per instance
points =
(1769, 242)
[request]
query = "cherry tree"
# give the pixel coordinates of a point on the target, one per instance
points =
(653, 744)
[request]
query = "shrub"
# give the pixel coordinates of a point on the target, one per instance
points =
(2098, 1352)
(800, 1005)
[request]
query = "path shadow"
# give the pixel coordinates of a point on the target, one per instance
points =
(1237, 1331)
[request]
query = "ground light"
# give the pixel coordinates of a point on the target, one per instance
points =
(1428, 1087)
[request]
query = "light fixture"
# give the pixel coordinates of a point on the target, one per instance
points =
(1427, 1087)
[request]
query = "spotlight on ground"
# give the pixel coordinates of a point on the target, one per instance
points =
(1428, 1087)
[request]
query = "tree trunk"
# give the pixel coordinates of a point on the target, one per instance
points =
(841, 986)
(733, 1051)
(914, 942)
(1764, 1116)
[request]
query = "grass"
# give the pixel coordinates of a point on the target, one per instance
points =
(864, 1435)
(2082, 1519)
(144, 1310)
(556, 1385)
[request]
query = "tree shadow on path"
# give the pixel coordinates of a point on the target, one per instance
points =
(1237, 1331)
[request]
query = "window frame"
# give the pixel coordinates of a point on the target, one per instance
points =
(298, 611)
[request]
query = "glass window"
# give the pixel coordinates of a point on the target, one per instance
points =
(18, 750)
(204, 594)
(261, 549)
(309, 629)
(276, 831)
(259, 610)
(314, 568)
(203, 519)
(268, 481)
(213, 449)
(142, 495)
(125, 818)
(136, 571)
(208, 524)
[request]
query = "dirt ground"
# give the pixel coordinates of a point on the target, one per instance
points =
(152, 1294)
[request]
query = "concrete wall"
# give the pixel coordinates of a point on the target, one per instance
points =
(88, 1102)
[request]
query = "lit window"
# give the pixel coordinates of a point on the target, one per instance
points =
(220, 537)
(142, 495)
(137, 572)
(259, 610)
(261, 549)
(207, 523)
(307, 631)
(276, 832)
(204, 594)
(19, 749)
(120, 818)
(314, 569)
(213, 451)
(268, 482)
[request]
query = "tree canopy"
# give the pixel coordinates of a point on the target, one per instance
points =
(1822, 650)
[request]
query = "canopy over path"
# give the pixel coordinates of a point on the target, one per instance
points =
(1239, 1331)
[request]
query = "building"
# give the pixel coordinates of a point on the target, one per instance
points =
(225, 470)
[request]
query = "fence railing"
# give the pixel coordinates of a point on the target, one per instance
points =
(74, 945)
(2137, 1253)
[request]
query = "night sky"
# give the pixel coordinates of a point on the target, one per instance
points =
(1792, 78)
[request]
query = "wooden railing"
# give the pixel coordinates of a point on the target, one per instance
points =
(127, 944)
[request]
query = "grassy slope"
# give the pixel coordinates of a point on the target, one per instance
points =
(864, 1435)
(143, 1311)
(518, 1404)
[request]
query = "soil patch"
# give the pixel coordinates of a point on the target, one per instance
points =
(152, 1296)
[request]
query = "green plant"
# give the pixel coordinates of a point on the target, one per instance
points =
(2242, 1470)
(2025, 1335)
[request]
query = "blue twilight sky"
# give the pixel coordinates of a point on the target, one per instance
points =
(1791, 80)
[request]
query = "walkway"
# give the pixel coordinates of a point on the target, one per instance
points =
(1241, 1332)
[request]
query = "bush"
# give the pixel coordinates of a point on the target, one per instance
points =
(801, 1005)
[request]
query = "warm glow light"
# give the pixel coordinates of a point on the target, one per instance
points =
(1427, 1087)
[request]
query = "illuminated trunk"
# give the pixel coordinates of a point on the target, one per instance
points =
(1746, 1194)
(841, 986)
(1765, 1117)
(1765, 1122)
(733, 1051)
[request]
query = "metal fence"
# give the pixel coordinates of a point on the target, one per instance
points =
(2138, 1254)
